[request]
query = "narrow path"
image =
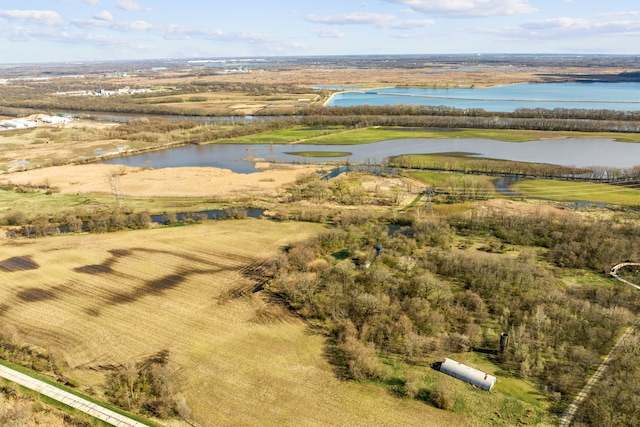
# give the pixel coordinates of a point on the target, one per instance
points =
(571, 410)
(69, 399)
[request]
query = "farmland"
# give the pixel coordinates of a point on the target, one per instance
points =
(252, 321)
(106, 300)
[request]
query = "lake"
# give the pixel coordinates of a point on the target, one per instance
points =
(578, 152)
(508, 98)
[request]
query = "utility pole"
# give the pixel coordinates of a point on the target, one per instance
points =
(428, 194)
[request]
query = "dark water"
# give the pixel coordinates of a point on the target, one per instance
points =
(239, 158)
(209, 214)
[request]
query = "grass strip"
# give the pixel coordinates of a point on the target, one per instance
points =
(319, 153)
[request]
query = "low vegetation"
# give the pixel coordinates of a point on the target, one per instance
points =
(19, 409)
(146, 388)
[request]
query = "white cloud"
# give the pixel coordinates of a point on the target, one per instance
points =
(555, 24)
(126, 26)
(92, 1)
(176, 32)
(565, 28)
(129, 5)
(351, 19)
(467, 8)
(103, 16)
(411, 24)
(609, 15)
(41, 17)
(329, 33)
(375, 19)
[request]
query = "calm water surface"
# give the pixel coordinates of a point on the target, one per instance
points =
(240, 158)
(612, 96)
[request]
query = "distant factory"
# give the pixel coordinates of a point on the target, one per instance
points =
(103, 92)
(32, 121)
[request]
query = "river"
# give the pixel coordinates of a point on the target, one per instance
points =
(578, 152)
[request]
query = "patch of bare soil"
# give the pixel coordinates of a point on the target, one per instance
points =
(521, 208)
(169, 182)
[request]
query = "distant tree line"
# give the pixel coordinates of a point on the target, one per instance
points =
(519, 113)
(426, 118)
(468, 165)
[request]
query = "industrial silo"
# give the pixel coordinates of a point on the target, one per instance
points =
(468, 374)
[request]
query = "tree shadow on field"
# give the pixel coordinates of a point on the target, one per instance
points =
(19, 263)
(35, 294)
(336, 358)
(106, 266)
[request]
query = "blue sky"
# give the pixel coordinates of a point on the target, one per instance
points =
(86, 30)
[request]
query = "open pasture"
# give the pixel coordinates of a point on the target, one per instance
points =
(628, 195)
(237, 357)
(231, 103)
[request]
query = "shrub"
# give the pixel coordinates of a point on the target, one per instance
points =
(443, 396)
(14, 217)
(362, 361)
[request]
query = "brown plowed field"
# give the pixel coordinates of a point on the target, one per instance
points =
(237, 357)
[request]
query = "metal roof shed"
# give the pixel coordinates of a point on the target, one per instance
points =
(468, 374)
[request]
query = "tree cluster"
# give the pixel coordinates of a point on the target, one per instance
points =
(614, 399)
(571, 241)
(145, 387)
(417, 298)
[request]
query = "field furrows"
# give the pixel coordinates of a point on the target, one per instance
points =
(104, 299)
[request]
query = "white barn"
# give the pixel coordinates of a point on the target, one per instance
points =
(468, 374)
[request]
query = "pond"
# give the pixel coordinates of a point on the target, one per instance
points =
(240, 158)
(508, 98)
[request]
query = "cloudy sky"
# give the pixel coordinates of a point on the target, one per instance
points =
(84, 30)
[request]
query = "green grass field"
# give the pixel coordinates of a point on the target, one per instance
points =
(319, 153)
(285, 136)
(582, 191)
(32, 203)
(343, 136)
